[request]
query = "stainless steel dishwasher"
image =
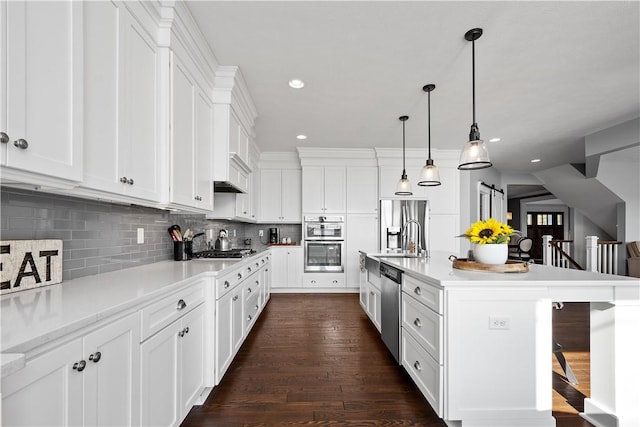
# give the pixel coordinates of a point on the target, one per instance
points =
(391, 283)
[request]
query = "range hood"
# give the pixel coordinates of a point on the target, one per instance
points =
(226, 187)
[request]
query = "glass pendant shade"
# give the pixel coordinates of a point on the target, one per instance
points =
(404, 186)
(430, 175)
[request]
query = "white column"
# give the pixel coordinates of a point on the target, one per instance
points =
(546, 250)
(592, 253)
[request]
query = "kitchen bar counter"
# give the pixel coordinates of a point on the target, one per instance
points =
(34, 317)
(497, 337)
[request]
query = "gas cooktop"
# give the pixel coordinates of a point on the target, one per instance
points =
(231, 253)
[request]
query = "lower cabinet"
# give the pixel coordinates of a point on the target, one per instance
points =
(172, 372)
(323, 280)
(91, 380)
(288, 263)
(370, 299)
(426, 373)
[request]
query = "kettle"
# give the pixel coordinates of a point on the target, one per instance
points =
(222, 242)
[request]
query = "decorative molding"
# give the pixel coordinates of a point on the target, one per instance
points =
(230, 88)
(315, 156)
(279, 160)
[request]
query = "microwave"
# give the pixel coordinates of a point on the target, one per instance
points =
(323, 228)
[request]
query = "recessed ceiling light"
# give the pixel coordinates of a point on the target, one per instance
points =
(535, 160)
(301, 136)
(296, 84)
(494, 140)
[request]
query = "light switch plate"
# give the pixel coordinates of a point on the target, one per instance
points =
(499, 322)
(140, 235)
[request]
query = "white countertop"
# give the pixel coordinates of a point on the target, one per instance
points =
(438, 270)
(33, 317)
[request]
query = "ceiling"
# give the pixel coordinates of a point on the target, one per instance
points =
(547, 73)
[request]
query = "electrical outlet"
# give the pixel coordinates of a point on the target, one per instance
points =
(499, 322)
(260, 233)
(140, 235)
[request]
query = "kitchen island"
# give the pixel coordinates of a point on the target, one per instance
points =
(479, 344)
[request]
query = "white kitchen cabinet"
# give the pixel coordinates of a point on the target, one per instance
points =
(191, 183)
(92, 380)
(281, 195)
(41, 92)
(229, 329)
(324, 189)
(361, 234)
(323, 280)
(371, 298)
(172, 370)
(124, 70)
(286, 265)
(362, 189)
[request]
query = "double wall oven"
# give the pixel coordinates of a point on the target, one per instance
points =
(324, 244)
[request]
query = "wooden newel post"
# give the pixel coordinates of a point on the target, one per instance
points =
(546, 250)
(592, 253)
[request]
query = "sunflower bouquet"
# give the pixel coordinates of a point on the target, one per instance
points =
(490, 231)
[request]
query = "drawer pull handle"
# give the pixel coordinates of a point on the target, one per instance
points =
(235, 298)
(417, 290)
(181, 304)
(95, 358)
(417, 322)
(79, 366)
(417, 366)
(226, 284)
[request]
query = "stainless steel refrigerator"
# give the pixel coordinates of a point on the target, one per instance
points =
(403, 223)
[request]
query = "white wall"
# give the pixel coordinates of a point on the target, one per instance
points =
(581, 226)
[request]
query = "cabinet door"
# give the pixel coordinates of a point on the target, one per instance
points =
(291, 195)
(270, 195)
(191, 358)
(224, 335)
(362, 190)
(204, 151)
(43, 60)
(313, 189)
(159, 378)
(103, 90)
(111, 379)
(364, 295)
(183, 96)
(295, 266)
(375, 306)
(280, 274)
(335, 191)
(47, 391)
(237, 318)
(142, 79)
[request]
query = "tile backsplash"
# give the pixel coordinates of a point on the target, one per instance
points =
(99, 237)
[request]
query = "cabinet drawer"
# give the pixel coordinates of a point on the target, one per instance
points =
(252, 307)
(323, 281)
(425, 293)
(424, 324)
(162, 313)
(226, 283)
(424, 370)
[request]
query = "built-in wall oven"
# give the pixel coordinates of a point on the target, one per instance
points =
(324, 244)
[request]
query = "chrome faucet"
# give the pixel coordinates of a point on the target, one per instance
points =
(404, 229)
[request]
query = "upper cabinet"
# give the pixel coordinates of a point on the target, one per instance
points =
(362, 189)
(280, 195)
(124, 74)
(324, 189)
(41, 92)
(234, 115)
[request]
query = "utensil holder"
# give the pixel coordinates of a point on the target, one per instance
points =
(182, 251)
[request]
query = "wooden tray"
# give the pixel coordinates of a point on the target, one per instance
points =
(510, 267)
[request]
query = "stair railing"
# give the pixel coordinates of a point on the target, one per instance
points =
(556, 253)
(602, 256)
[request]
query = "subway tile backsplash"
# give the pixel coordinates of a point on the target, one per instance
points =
(99, 237)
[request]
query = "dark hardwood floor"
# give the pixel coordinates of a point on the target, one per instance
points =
(316, 360)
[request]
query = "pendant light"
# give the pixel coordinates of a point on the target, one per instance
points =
(474, 154)
(404, 186)
(429, 176)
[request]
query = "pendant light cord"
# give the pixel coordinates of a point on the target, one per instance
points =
(429, 120)
(473, 77)
(404, 169)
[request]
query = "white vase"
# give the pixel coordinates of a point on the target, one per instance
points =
(491, 253)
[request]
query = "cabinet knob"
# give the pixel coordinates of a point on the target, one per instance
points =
(249, 318)
(4, 138)
(239, 276)
(257, 283)
(249, 290)
(257, 307)
(21, 143)
(258, 264)
(181, 333)
(262, 261)
(79, 366)
(181, 304)
(95, 357)
(186, 330)
(123, 180)
(372, 293)
(249, 269)
(417, 366)
(417, 291)
(417, 322)
(226, 284)
(313, 282)
(235, 298)
(334, 281)
(130, 181)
